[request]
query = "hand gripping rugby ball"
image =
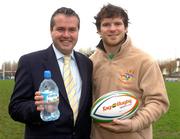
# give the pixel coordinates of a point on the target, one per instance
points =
(115, 104)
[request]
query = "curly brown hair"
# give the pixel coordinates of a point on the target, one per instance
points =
(111, 11)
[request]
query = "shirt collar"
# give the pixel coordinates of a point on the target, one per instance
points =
(60, 55)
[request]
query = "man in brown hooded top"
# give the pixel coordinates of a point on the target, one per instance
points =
(118, 65)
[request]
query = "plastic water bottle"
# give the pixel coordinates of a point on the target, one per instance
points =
(50, 92)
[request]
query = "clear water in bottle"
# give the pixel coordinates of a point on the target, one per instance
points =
(50, 92)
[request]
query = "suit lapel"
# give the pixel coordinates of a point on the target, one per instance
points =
(51, 63)
(83, 78)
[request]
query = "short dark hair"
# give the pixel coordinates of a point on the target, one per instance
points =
(110, 11)
(65, 11)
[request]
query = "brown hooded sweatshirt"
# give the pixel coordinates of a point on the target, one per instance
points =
(133, 70)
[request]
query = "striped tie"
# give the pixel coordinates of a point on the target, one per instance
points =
(70, 86)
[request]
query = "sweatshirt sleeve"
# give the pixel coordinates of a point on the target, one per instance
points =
(155, 101)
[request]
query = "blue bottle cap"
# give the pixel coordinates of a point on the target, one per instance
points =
(47, 74)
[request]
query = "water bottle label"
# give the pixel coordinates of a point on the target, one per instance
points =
(49, 96)
(51, 101)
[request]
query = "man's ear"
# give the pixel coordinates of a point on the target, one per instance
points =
(126, 30)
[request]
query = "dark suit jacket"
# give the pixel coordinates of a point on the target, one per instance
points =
(27, 80)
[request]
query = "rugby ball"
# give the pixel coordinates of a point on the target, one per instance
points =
(115, 104)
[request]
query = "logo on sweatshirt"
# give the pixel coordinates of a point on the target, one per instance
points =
(127, 76)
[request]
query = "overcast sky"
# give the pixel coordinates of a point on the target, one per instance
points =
(24, 26)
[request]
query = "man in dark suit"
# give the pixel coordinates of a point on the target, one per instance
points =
(25, 103)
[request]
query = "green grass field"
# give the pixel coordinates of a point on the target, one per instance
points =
(168, 127)
(9, 129)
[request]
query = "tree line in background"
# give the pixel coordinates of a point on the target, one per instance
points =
(9, 68)
(169, 65)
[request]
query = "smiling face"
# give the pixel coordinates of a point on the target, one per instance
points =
(65, 33)
(112, 31)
